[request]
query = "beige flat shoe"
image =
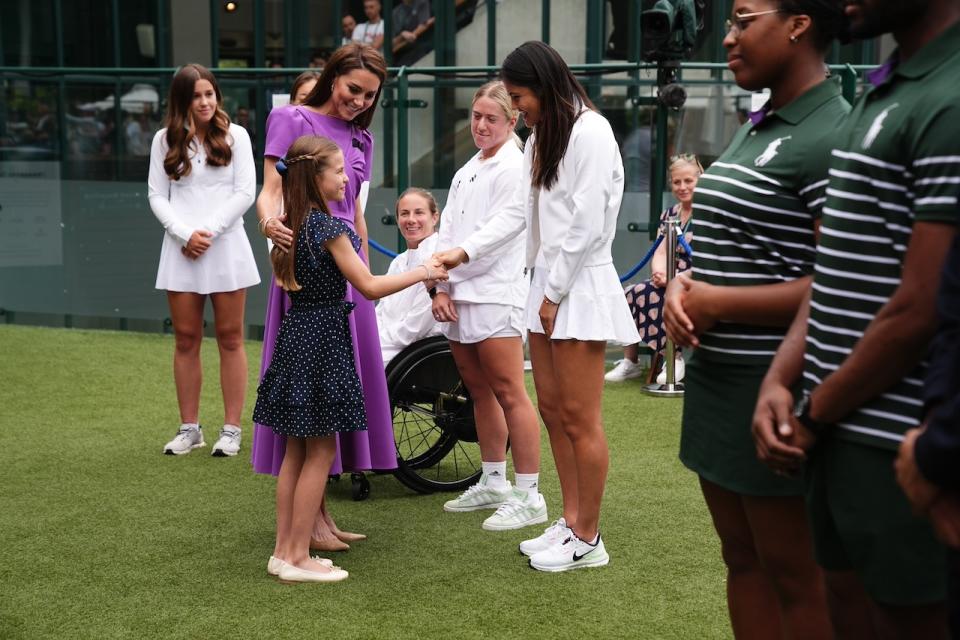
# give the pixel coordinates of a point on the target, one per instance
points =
(328, 545)
(346, 536)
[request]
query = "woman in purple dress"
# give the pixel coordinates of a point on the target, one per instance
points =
(340, 107)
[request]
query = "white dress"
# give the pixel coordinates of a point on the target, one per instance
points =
(570, 229)
(210, 198)
(407, 315)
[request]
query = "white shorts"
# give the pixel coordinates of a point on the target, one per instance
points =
(479, 321)
(594, 309)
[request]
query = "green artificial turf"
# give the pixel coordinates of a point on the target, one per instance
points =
(102, 536)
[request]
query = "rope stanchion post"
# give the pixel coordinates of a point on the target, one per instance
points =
(672, 388)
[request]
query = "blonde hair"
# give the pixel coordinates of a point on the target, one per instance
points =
(687, 159)
(496, 91)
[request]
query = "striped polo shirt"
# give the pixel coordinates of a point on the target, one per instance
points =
(754, 212)
(897, 162)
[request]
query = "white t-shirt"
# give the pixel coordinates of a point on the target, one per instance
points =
(367, 32)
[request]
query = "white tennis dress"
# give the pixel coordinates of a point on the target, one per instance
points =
(210, 198)
(570, 229)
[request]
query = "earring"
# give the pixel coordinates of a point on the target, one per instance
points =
(794, 39)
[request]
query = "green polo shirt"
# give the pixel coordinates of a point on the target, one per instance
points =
(754, 212)
(897, 162)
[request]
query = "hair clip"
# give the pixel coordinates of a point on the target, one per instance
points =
(282, 167)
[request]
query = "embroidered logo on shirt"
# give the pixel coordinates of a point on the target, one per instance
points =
(877, 126)
(770, 152)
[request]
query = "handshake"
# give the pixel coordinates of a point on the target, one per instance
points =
(437, 265)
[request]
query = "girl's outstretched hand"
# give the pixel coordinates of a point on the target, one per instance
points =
(436, 271)
(452, 257)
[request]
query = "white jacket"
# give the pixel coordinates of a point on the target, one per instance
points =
(480, 191)
(407, 315)
(210, 198)
(571, 225)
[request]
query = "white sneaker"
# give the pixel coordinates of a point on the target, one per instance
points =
(228, 444)
(625, 370)
(186, 440)
(521, 510)
(572, 553)
(479, 496)
(554, 534)
(678, 371)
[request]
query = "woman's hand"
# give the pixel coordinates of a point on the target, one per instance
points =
(774, 427)
(452, 257)
(280, 234)
(919, 491)
(659, 279)
(198, 243)
(443, 308)
(676, 322)
(548, 315)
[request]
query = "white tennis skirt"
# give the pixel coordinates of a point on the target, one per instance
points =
(595, 308)
(227, 265)
(479, 321)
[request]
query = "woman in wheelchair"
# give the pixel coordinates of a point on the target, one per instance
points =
(406, 316)
(481, 309)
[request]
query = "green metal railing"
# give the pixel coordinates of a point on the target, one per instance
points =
(396, 97)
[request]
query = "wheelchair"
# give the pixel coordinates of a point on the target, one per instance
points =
(433, 422)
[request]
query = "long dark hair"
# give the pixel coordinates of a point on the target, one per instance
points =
(827, 16)
(306, 158)
(538, 67)
(344, 60)
(181, 129)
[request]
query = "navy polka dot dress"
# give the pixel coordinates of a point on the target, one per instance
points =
(311, 388)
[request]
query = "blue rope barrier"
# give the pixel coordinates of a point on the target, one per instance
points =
(382, 249)
(686, 246)
(643, 262)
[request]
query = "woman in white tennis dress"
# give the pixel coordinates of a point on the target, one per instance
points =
(201, 181)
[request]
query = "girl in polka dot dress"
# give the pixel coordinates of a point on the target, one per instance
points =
(311, 390)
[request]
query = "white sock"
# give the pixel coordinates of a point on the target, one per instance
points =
(232, 426)
(494, 473)
(528, 482)
(190, 425)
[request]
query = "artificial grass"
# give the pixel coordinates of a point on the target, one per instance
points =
(102, 536)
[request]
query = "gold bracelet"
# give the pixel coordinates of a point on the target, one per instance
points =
(547, 300)
(263, 225)
(427, 269)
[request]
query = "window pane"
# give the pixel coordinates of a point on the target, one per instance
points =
(88, 33)
(27, 33)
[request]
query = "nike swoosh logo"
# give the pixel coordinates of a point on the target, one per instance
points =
(577, 558)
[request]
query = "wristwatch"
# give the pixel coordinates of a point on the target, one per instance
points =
(801, 411)
(432, 292)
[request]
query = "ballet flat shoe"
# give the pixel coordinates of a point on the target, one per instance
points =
(328, 545)
(293, 574)
(274, 564)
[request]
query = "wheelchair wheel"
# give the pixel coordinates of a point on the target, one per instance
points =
(433, 421)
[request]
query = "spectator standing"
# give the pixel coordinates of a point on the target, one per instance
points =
(370, 32)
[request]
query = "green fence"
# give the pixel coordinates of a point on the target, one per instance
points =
(79, 245)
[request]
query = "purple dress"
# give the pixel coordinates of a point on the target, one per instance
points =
(359, 450)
